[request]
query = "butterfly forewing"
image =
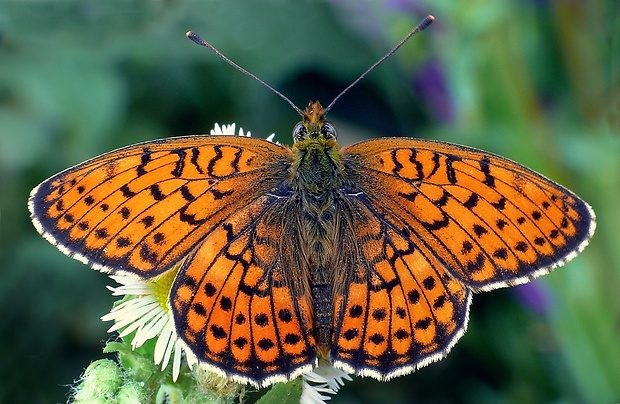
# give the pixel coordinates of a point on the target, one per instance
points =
(142, 208)
(491, 222)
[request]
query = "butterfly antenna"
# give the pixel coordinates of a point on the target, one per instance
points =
(428, 20)
(198, 40)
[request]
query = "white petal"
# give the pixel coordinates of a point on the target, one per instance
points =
(176, 363)
(324, 379)
(191, 359)
(131, 316)
(130, 286)
(162, 344)
(216, 130)
(228, 130)
(168, 353)
(151, 330)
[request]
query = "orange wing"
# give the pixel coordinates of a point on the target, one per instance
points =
(241, 304)
(140, 209)
(489, 221)
(432, 222)
(399, 308)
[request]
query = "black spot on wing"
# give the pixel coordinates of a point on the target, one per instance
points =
(144, 160)
(450, 173)
(124, 212)
(189, 218)
(419, 168)
(156, 193)
(472, 201)
(479, 230)
(127, 193)
(466, 247)
(436, 160)
(486, 169)
(147, 255)
(147, 221)
(194, 159)
(186, 194)
(429, 283)
(409, 196)
(397, 165)
(477, 264)
(180, 164)
(500, 205)
(217, 194)
(521, 246)
(437, 224)
(441, 202)
(122, 242)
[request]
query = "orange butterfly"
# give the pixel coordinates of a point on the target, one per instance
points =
(367, 255)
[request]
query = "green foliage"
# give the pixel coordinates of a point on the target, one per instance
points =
(284, 393)
(136, 379)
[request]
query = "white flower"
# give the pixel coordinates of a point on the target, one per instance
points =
(229, 130)
(325, 379)
(148, 316)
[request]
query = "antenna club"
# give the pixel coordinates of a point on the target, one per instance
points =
(195, 38)
(428, 20)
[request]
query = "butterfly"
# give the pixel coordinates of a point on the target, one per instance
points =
(367, 255)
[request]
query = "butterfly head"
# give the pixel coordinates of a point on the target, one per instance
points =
(314, 125)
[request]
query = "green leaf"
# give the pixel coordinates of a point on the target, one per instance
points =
(284, 393)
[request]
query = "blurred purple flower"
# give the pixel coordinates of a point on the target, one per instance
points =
(407, 6)
(534, 296)
(430, 84)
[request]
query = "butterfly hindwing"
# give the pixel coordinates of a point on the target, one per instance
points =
(235, 305)
(490, 221)
(400, 309)
(140, 209)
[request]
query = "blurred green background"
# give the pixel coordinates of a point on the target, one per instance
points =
(536, 81)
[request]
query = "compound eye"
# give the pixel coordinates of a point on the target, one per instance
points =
(299, 132)
(329, 130)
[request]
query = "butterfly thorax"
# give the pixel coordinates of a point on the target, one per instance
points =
(316, 167)
(316, 176)
(316, 171)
